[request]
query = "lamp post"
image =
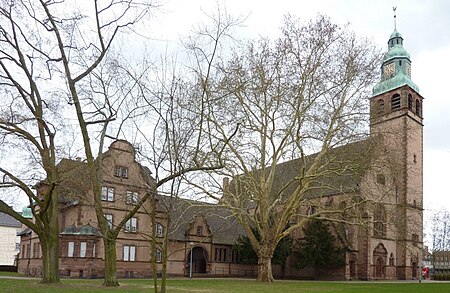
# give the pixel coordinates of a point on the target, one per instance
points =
(191, 244)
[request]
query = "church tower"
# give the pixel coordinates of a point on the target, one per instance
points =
(396, 117)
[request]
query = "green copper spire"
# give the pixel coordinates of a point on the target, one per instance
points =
(396, 66)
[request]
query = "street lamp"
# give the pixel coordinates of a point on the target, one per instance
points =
(191, 244)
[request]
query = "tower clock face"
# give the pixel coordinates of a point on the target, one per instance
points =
(389, 70)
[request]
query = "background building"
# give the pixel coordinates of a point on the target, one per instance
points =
(9, 241)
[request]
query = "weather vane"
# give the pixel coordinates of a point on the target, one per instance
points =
(395, 17)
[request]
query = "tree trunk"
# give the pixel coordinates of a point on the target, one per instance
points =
(50, 257)
(164, 265)
(110, 279)
(265, 266)
(50, 242)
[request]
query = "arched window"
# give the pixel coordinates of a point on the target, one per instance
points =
(410, 102)
(380, 106)
(379, 222)
(418, 107)
(159, 229)
(391, 259)
(158, 255)
(395, 102)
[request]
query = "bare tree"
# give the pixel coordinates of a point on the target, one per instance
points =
(29, 123)
(303, 93)
(54, 53)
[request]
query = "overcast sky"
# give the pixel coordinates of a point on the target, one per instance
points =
(423, 24)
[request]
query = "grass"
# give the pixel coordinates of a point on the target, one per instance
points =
(220, 285)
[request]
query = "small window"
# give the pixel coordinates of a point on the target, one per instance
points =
(158, 255)
(414, 158)
(132, 197)
(399, 62)
(83, 246)
(70, 248)
(159, 230)
(415, 239)
(131, 225)
(395, 102)
(199, 230)
(109, 219)
(418, 107)
(312, 210)
(107, 193)
(381, 179)
(129, 253)
(94, 250)
(120, 171)
(391, 259)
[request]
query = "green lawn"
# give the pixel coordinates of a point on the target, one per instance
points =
(221, 285)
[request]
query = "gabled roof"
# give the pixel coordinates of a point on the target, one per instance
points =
(224, 227)
(8, 221)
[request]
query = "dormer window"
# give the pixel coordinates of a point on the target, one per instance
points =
(120, 171)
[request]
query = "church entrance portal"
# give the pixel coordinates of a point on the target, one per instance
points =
(199, 257)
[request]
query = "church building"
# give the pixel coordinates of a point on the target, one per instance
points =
(388, 246)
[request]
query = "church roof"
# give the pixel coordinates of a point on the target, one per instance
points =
(341, 171)
(399, 80)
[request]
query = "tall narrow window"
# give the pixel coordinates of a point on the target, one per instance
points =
(107, 193)
(410, 102)
(379, 222)
(129, 253)
(395, 102)
(109, 219)
(83, 246)
(159, 230)
(199, 230)
(415, 239)
(380, 107)
(70, 248)
(158, 255)
(418, 107)
(391, 259)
